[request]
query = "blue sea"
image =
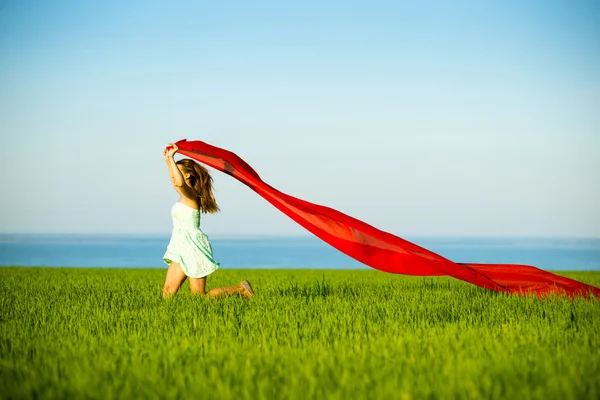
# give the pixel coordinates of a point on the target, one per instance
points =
(305, 252)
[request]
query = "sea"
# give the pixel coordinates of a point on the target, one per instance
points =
(285, 252)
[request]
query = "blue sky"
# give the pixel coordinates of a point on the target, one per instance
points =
(421, 118)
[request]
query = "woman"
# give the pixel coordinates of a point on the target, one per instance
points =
(189, 253)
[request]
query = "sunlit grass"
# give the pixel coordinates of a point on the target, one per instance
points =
(99, 333)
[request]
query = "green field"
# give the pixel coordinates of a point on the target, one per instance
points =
(106, 333)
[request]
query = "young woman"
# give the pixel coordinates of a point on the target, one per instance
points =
(189, 253)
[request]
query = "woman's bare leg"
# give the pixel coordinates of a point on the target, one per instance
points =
(198, 287)
(175, 277)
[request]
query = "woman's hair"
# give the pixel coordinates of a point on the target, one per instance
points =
(202, 183)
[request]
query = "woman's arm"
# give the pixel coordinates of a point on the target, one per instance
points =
(177, 178)
(174, 172)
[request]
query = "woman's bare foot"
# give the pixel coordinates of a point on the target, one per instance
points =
(247, 291)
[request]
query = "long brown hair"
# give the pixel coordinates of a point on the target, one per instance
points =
(202, 183)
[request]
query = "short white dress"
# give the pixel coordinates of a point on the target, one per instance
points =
(189, 246)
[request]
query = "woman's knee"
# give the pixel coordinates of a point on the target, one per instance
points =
(169, 290)
(197, 291)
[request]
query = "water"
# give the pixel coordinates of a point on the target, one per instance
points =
(118, 251)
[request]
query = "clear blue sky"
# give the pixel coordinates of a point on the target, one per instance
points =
(424, 118)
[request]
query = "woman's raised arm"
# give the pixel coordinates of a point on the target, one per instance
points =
(174, 172)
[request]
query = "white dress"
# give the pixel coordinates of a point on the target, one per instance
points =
(189, 246)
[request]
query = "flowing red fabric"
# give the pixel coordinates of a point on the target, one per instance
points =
(382, 250)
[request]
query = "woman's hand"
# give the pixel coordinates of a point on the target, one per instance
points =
(170, 151)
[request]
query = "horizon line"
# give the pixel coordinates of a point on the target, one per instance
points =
(292, 235)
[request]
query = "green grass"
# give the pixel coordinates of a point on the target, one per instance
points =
(100, 333)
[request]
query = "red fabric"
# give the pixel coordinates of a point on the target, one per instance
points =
(379, 249)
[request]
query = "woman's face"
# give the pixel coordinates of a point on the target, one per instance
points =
(186, 175)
